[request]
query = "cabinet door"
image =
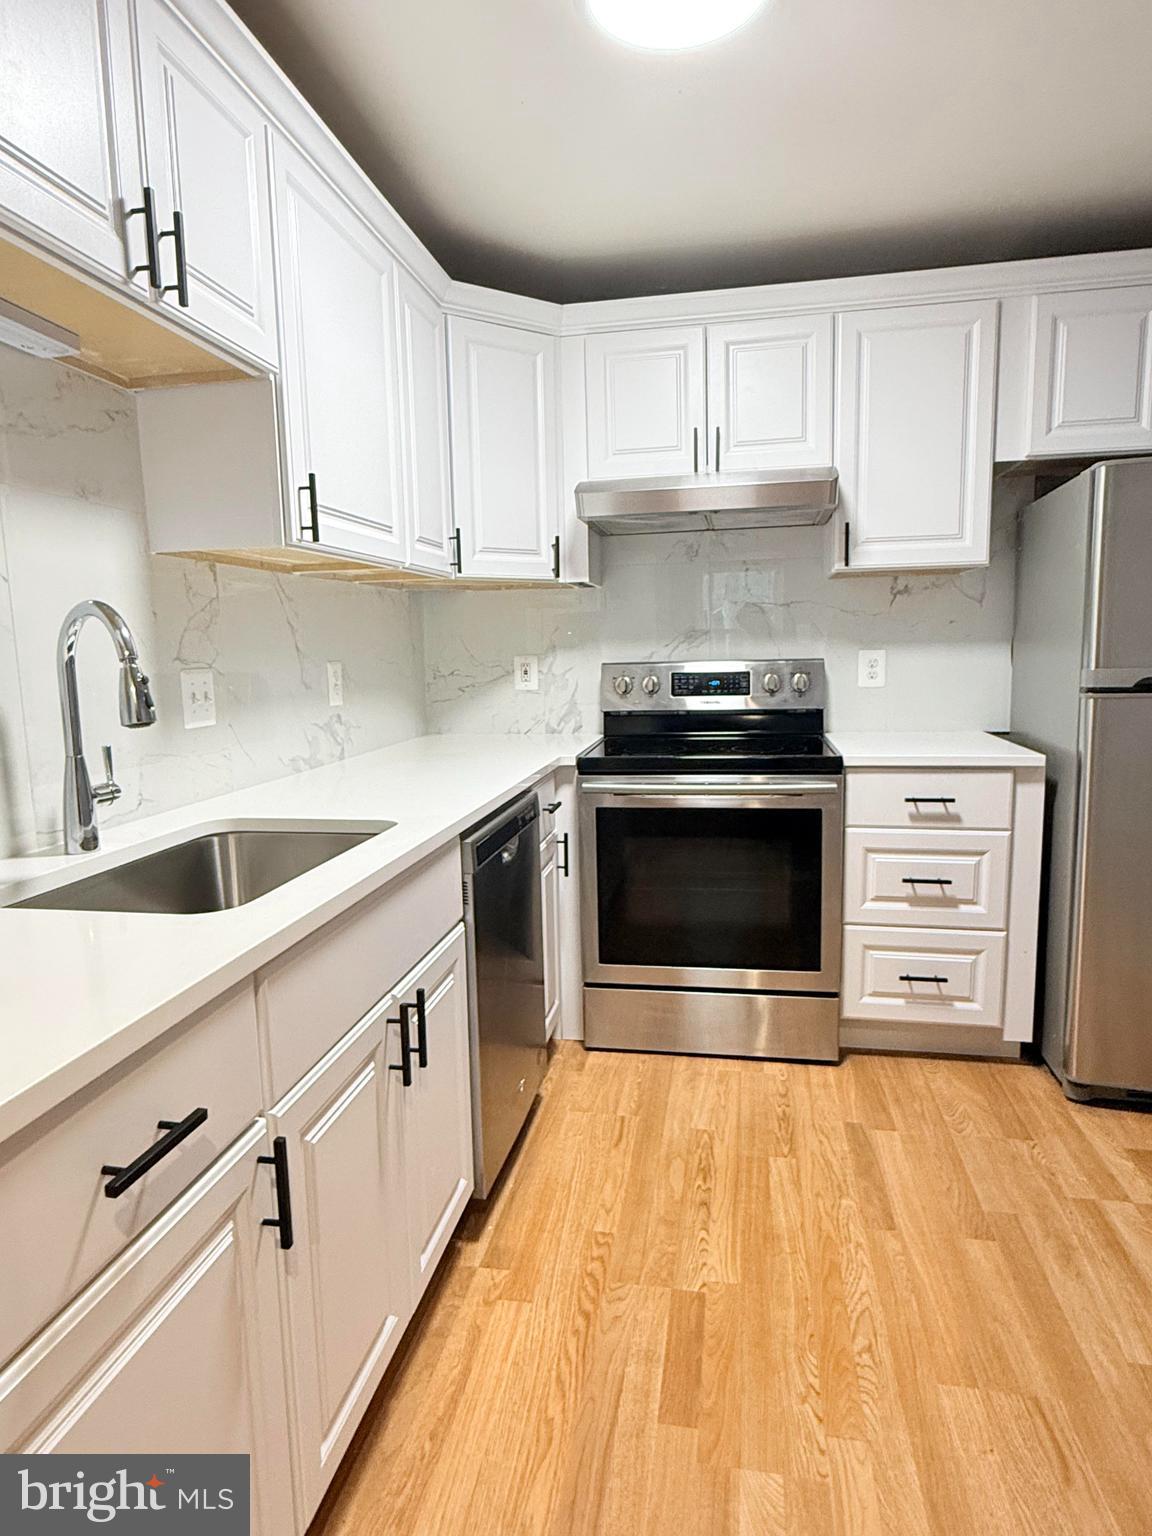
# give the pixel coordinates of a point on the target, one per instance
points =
(645, 392)
(69, 161)
(550, 908)
(346, 1277)
(1092, 371)
(915, 419)
(505, 442)
(439, 1108)
(337, 301)
(423, 349)
(176, 1346)
(206, 145)
(770, 393)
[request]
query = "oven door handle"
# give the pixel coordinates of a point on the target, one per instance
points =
(688, 789)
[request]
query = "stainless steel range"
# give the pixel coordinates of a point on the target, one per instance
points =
(711, 833)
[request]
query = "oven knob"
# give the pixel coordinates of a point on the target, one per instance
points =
(651, 684)
(622, 684)
(772, 683)
(801, 682)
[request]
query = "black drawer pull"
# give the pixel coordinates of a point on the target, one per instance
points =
(552, 807)
(940, 981)
(929, 799)
(924, 880)
(311, 528)
(176, 1131)
(404, 1065)
(421, 1027)
(283, 1217)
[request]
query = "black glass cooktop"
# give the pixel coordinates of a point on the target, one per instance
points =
(701, 753)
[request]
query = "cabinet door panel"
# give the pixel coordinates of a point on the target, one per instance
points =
(339, 366)
(550, 906)
(347, 1275)
(504, 448)
(915, 419)
(770, 393)
(68, 149)
(645, 392)
(1092, 371)
(424, 421)
(440, 1109)
(206, 143)
(175, 1346)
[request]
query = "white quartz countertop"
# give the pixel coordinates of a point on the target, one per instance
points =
(81, 991)
(931, 749)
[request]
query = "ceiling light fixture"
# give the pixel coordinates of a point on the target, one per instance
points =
(672, 24)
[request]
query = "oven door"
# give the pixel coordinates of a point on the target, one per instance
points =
(723, 882)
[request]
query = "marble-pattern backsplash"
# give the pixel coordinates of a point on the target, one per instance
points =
(741, 596)
(72, 526)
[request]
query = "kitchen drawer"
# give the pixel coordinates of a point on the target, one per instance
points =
(923, 976)
(928, 797)
(926, 879)
(313, 996)
(53, 1208)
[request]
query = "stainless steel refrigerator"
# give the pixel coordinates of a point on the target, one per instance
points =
(1082, 694)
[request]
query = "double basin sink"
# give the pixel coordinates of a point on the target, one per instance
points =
(214, 872)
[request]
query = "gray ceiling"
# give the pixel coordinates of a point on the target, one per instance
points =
(827, 137)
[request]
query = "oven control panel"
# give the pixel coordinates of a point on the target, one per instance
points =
(775, 684)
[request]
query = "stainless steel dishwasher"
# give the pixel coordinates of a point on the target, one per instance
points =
(505, 932)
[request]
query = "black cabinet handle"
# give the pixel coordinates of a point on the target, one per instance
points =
(695, 450)
(562, 840)
(717, 450)
(311, 528)
(456, 561)
(122, 1178)
(940, 981)
(404, 1066)
(847, 543)
(283, 1217)
(924, 880)
(147, 211)
(176, 233)
(929, 799)
(421, 1027)
(552, 807)
(556, 557)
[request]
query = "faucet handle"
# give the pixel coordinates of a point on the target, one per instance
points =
(106, 793)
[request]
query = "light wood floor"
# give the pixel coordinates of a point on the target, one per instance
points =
(896, 1296)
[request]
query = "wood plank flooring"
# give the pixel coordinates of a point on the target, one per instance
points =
(728, 1298)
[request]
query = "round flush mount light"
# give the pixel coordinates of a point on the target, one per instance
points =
(670, 24)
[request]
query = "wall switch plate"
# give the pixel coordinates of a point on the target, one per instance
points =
(526, 673)
(198, 693)
(873, 669)
(336, 684)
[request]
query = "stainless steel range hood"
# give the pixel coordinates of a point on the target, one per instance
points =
(779, 498)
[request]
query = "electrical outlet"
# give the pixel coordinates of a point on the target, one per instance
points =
(873, 669)
(336, 684)
(526, 673)
(198, 693)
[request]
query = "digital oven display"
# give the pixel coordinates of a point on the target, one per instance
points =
(703, 685)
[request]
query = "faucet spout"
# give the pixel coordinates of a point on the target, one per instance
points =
(81, 834)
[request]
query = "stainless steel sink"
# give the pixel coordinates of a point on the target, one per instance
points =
(211, 873)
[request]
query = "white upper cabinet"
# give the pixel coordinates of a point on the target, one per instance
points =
(645, 401)
(423, 350)
(770, 393)
(1092, 372)
(337, 294)
(505, 449)
(914, 428)
(206, 146)
(69, 161)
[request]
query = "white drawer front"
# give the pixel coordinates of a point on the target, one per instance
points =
(923, 977)
(926, 879)
(52, 1198)
(928, 797)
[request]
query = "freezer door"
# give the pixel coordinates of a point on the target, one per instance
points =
(1109, 1040)
(1118, 641)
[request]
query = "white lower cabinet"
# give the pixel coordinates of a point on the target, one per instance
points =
(918, 976)
(550, 908)
(176, 1345)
